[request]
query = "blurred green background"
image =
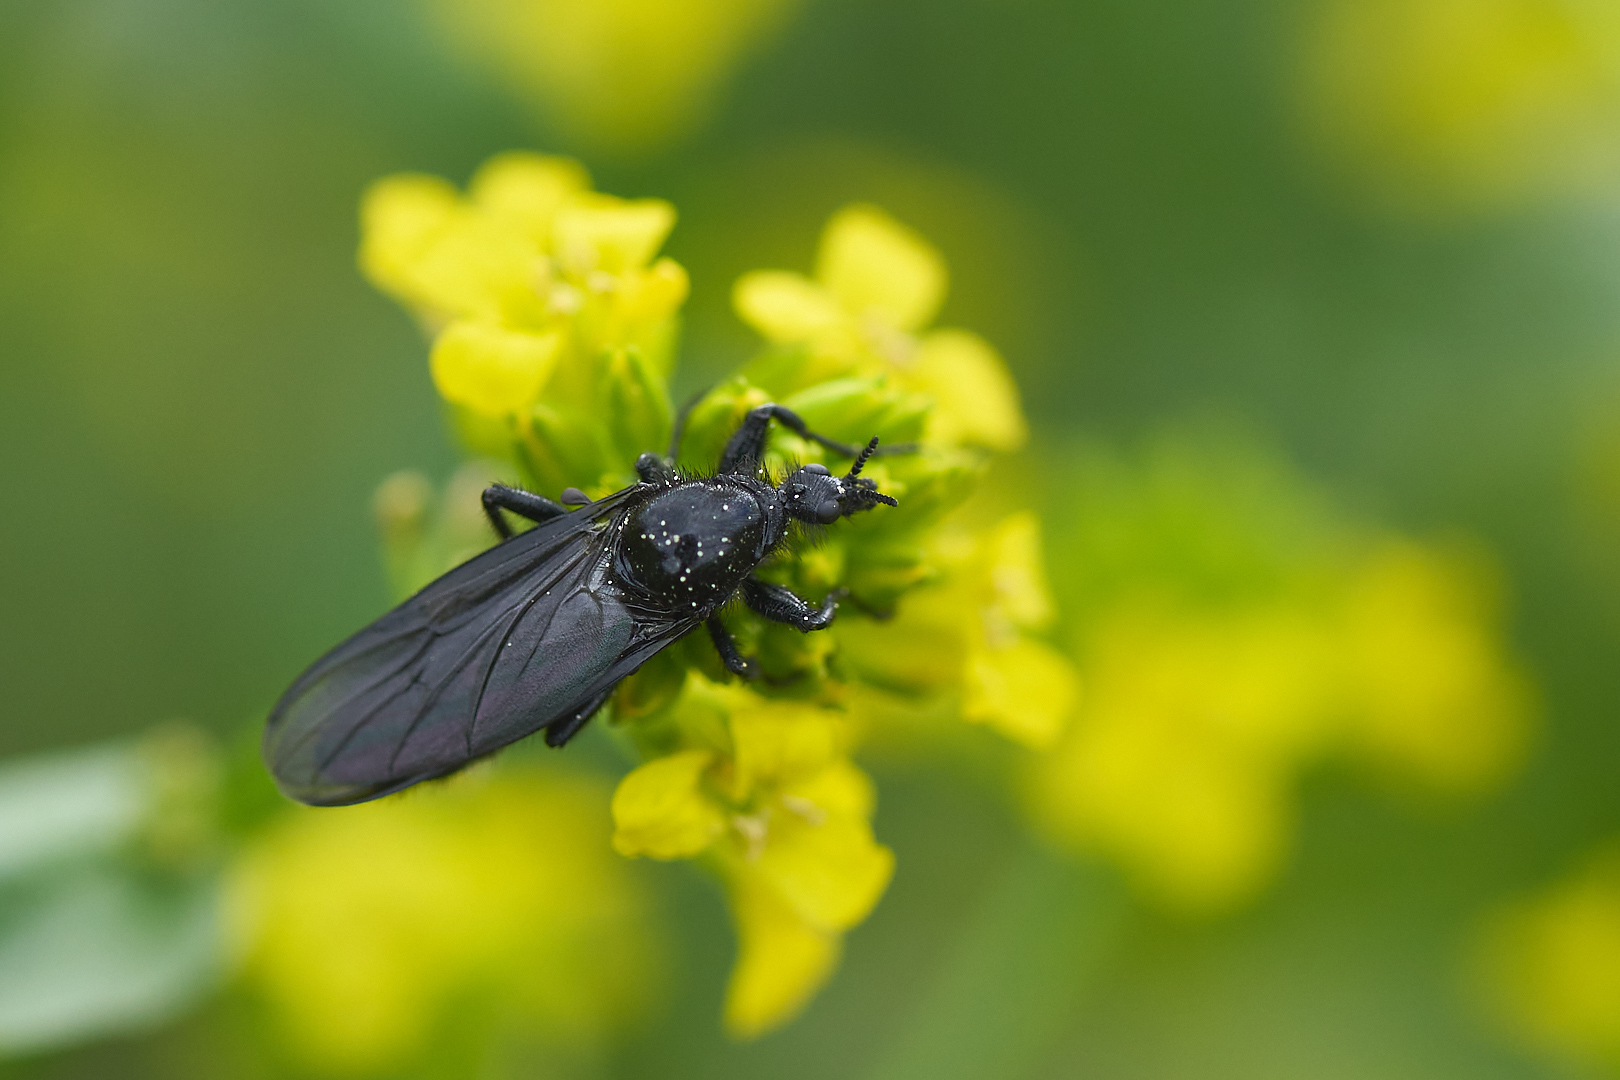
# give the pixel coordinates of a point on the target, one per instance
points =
(1398, 270)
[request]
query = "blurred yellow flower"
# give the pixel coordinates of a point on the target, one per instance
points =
(1430, 697)
(1180, 763)
(624, 75)
(877, 286)
(970, 634)
(1464, 104)
(1231, 633)
(367, 928)
(1551, 964)
(784, 817)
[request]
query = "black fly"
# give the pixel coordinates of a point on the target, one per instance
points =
(536, 632)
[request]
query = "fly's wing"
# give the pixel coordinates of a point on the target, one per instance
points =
(524, 636)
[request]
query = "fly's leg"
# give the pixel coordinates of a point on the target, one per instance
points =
(784, 606)
(747, 447)
(735, 662)
(498, 497)
(563, 730)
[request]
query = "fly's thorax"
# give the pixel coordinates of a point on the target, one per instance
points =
(690, 546)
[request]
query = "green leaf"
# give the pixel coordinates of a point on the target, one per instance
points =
(94, 936)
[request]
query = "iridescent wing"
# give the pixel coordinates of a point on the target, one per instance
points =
(531, 634)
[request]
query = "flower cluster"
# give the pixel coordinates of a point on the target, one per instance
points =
(548, 309)
(765, 793)
(552, 320)
(877, 286)
(1231, 632)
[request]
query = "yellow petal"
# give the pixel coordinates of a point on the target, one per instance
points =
(1026, 691)
(600, 232)
(660, 810)
(492, 370)
(977, 400)
(400, 219)
(881, 270)
(922, 648)
(526, 190)
(841, 788)
(786, 308)
(655, 294)
(781, 960)
(826, 865)
(1018, 572)
(780, 740)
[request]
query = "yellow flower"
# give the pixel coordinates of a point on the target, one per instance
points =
(1552, 964)
(365, 927)
(660, 809)
(526, 280)
(785, 819)
(877, 286)
(1025, 689)
(1430, 696)
(801, 871)
(1180, 762)
(781, 959)
(449, 256)
(1184, 756)
(1231, 633)
(970, 634)
(490, 369)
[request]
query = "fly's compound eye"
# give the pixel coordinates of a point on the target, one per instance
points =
(819, 470)
(828, 512)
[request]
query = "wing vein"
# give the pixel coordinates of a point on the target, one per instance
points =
(304, 736)
(483, 688)
(349, 735)
(437, 689)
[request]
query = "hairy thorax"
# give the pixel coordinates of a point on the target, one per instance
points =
(691, 546)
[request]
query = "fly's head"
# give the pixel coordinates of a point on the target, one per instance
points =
(814, 495)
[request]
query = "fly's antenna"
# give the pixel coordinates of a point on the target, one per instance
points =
(865, 492)
(860, 460)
